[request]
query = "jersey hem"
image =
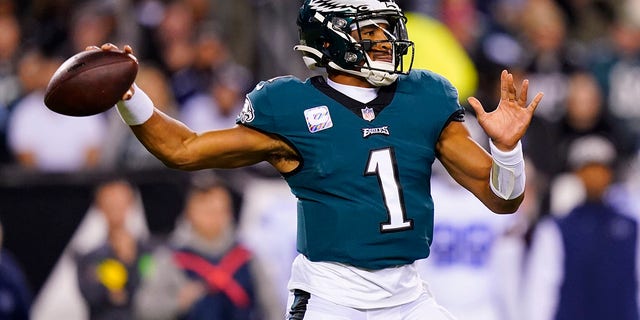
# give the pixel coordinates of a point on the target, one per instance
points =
(352, 303)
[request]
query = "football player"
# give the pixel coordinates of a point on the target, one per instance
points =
(356, 148)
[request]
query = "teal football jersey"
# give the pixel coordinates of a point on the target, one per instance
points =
(363, 184)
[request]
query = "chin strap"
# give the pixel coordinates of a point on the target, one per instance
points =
(378, 78)
(310, 62)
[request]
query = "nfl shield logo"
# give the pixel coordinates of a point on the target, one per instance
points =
(368, 114)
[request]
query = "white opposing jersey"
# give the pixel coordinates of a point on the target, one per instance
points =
(268, 228)
(458, 270)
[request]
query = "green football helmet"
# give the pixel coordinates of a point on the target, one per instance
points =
(325, 28)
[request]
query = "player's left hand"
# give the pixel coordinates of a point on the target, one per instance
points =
(506, 125)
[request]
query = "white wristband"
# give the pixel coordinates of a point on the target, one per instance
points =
(136, 110)
(507, 178)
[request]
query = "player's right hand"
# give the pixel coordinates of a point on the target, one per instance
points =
(112, 47)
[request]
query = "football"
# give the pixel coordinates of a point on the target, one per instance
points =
(90, 82)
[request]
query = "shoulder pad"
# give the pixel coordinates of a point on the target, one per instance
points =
(275, 82)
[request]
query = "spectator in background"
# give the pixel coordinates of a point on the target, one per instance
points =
(208, 65)
(584, 264)
(463, 19)
(498, 45)
(41, 139)
(46, 24)
(274, 36)
(549, 54)
(91, 22)
(9, 51)
(616, 64)
(210, 90)
(211, 54)
(88, 22)
(60, 296)
(220, 105)
(203, 273)
(584, 113)
(171, 22)
(588, 20)
(109, 275)
(10, 88)
(174, 37)
(232, 17)
(15, 292)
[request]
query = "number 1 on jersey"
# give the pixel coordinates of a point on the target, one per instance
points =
(382, 164)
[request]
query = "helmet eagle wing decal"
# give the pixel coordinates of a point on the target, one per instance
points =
(341, 5)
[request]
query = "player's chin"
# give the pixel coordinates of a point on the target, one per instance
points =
(382, 65)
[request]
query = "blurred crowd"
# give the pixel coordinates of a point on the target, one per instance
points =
(571, 252)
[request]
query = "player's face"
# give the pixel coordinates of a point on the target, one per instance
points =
(380, 40)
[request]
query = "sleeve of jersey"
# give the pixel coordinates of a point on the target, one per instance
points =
(442, 93)
(257, 112)
(456, 112)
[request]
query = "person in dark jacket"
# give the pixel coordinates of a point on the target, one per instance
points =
(584, 264)
(203, 272)
(109, 275)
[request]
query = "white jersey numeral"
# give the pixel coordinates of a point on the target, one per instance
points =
(382, 164)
